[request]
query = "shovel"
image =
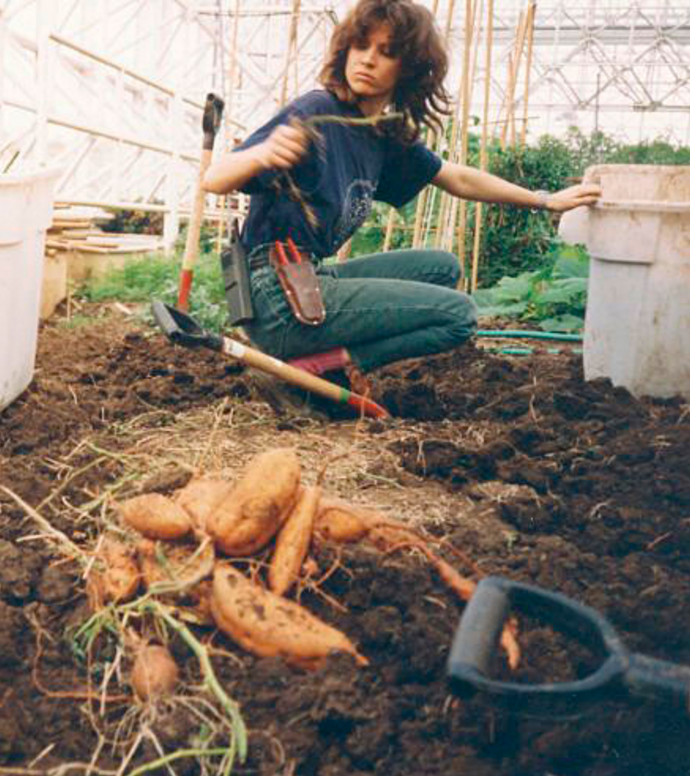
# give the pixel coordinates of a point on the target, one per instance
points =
(621, 674)
(182, 329)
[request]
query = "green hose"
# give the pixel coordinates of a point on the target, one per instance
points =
(529, 351)
(549, 335)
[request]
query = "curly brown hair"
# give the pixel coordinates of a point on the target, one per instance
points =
(419, 95)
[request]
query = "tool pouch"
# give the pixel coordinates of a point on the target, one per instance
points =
(301, 288)
(238, 292)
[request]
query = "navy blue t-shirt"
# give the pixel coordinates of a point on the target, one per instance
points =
(339, 177)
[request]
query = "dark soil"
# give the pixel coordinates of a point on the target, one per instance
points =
(580, 488)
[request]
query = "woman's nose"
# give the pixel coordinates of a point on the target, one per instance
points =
(369, 55)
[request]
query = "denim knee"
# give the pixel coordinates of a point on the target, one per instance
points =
(446, 263)
(465, 318)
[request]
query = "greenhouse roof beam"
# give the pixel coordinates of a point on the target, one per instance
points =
(567, 36)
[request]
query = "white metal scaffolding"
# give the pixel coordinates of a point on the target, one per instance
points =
(112, 90)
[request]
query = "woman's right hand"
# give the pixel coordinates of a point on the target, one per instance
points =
(283, 148)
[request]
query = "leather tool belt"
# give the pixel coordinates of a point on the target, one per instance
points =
(298, 280)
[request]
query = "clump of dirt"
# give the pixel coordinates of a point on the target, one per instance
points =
(575, 486)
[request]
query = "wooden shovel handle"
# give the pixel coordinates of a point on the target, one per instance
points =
(291, 374)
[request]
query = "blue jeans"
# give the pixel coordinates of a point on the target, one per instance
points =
(383, 308)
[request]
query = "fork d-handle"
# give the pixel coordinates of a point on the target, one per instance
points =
(620, 674)
(664, 682)
(182, 329)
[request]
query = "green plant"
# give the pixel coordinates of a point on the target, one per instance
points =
(554, 297)
(157, 276)
(371, 236)
(208, 235)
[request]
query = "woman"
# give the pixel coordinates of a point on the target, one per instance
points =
(314, 180)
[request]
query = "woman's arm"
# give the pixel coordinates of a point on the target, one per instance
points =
(282, 149)
(470, 183)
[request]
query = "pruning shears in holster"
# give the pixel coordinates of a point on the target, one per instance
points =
(299, 282)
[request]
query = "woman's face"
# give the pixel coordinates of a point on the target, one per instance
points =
(370, 70)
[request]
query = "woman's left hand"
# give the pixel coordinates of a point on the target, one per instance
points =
(573, 196)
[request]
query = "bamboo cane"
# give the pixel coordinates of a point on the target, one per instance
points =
(292, 45)
(473, 11)
(223, 200)
(509, 126)
(531, 10)
(444, 197)
(483, 155)
(344, 251)
(433, 142)
(446, 205)
(389, 230)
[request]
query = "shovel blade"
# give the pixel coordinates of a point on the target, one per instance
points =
(182, 329)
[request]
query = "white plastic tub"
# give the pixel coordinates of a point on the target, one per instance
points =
(637, 326)
(26, 207)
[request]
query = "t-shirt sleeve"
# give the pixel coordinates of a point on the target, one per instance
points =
(406, 171)
(309, 104)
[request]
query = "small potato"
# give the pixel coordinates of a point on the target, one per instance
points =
(119, 578)
(272, 626)
(201, 497)
(155, 516)
(154, 673)
(340, 521)
(258, 504)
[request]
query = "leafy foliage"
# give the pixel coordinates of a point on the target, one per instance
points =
(515, 240)
(157, 277)
(554, 296)
(371, 236)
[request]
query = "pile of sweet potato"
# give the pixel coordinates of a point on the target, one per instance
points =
(190, 540)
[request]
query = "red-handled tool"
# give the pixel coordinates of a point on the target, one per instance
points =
(294, 252)
(280, 253)
(182, 329)
(213, 111)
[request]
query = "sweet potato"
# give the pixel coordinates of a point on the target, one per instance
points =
(272, 626)
(116, 577)
(201, 497)
(340, 521)
(155, 516)
(258, 504)
(154, 673)
(293, 541)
